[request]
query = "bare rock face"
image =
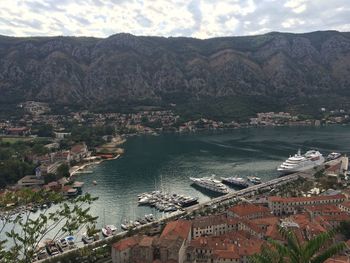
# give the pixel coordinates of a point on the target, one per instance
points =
(127, 67)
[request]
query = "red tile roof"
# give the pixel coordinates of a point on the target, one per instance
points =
(265, 221)
(248, 209)
(324, 209)
(178, 228)
(126, 243)
(212, 220)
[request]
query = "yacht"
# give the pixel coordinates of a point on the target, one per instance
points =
(254, 179)
(109, 230)
(301, 162)
(235, 181)
(333, 156)
(211, 184)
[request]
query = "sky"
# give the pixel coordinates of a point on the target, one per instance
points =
(190, 18)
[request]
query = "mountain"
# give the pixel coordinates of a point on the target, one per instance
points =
(123, 67)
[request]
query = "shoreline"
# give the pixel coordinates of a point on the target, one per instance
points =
(78, 168)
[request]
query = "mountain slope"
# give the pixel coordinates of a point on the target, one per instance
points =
(124, 67)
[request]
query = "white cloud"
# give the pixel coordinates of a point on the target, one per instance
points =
(196, 18)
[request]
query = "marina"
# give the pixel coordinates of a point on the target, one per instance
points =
(165, 201)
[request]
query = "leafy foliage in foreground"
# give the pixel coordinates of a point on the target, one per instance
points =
(22, 235)
(317, 250)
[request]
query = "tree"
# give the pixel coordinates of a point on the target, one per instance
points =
(27, 232)
(313, 251)
(63, 170)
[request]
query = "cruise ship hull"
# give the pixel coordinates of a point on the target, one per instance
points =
(303, 167)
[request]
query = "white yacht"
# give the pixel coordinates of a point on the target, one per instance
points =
(235, 181)
(301, 162)
(109, 230)
(333, 156)
(254, 179)
(211, 184)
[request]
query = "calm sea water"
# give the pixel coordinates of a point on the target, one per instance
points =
(167, 161)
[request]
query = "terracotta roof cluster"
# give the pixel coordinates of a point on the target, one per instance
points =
(232, 245)
(245, 210)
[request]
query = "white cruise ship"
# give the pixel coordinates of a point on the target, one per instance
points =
(301, 162)
(211, 184)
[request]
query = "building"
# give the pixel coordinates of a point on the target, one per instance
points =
(209, 225)
(62, 135)
(79, 151)
(30, 181)
(248, 211)
(18, 131)
(345, 207)
(121, 251)
(234, 247)
(281, 205)
(172, 243)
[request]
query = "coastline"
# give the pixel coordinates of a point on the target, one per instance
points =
(76, 170)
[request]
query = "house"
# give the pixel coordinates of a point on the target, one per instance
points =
(79, 151)
(30, 181)
(234, 247)
(62, 135)
(121, 251)
(345, 207)
(281, 205)
(209, 225)
(172, 243)
(18, 131)
(248, 211)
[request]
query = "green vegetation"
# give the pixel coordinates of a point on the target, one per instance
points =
(315, 250)
(71, 216)
(14, 162)
(92, 136)
(239, 108)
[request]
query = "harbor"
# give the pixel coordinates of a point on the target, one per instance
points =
(110, 232)
(168, 161)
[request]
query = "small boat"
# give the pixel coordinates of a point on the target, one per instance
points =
(333, 156)
(127, 225)
(70, 241)
(94, 182)
(235, 181)
(109, 230)
(254, 179)
(149, 218)
(87, 239)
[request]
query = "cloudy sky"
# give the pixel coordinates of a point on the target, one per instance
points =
(194, 18)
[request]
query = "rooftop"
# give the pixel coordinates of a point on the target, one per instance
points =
(126, 243)
(174, 229)
(304, 199)
(248, 209)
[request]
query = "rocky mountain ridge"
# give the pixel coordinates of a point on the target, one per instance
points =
(123, 67)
